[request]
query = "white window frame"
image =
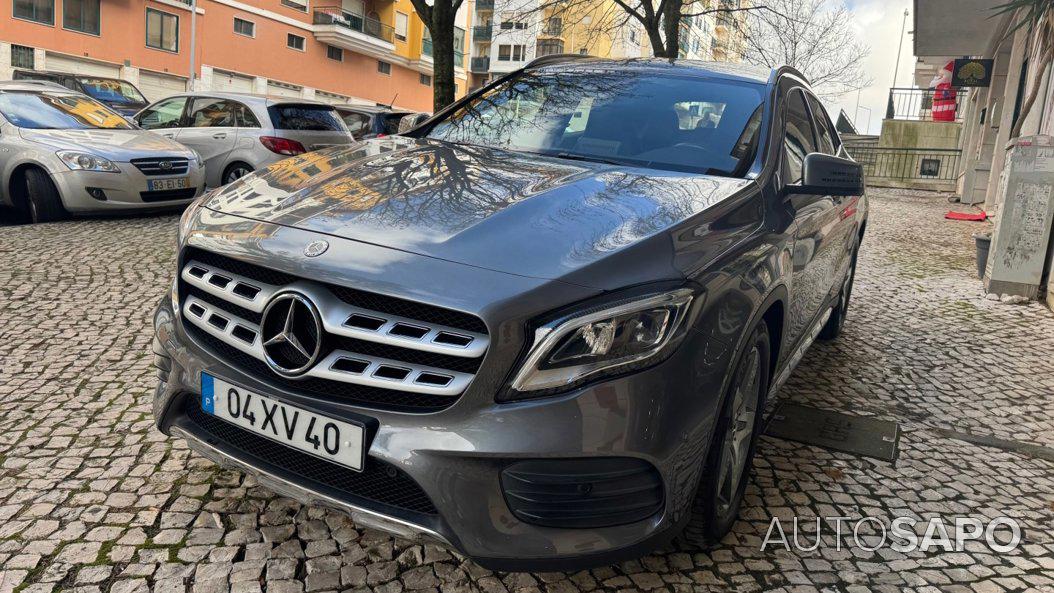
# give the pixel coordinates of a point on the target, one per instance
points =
(244, 20)
(405, 25)
(303, 42)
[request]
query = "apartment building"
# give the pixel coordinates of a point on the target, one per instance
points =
(714, 30)
(509, 33)
(356, 51)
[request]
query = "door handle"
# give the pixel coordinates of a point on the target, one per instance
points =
(219, 135)
(169, 135)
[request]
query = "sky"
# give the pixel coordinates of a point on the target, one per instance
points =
(878, 24)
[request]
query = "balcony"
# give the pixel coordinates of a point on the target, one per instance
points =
(354, 32)
(482, 32)
(426, 51)
(554, 27)
(918, 105)
(481, 65)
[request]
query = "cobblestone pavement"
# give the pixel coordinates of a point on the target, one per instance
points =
(93, 499)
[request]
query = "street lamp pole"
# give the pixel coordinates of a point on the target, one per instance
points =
(896, 67)
(193, 43)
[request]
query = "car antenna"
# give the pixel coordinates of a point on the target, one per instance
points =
(390, 105)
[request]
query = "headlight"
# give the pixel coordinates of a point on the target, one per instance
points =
(186, 219)
(197, 158)
(615, 338)
(82, 161)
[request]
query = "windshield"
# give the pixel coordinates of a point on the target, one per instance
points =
(680, 123)
(47, 111)
(113, 91)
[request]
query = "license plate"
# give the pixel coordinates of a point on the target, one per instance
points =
(163, 184)
(334, 440)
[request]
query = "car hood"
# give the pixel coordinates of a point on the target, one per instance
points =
(512, 212)
(115, 145)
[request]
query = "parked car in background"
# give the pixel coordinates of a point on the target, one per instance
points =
(365, 121)
(119, 95)
(409, 122)
(62, 151)
(238, 133)
(540, 328)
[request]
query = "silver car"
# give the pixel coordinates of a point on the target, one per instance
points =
(238, 133)
(63, 152)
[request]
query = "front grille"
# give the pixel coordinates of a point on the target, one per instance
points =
(373, 353)
(157, 166)
(378, 482)
(367, 300)
(167, 195)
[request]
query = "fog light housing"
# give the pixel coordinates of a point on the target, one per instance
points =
(583, 493)
(96, 193)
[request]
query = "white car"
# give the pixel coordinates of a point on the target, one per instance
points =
(238, 133)
(63, 152)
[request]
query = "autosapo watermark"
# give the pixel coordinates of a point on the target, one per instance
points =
(902, 534)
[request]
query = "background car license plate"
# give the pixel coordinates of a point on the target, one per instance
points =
(333, 440)
(163, 184)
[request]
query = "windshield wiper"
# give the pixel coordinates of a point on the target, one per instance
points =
(572, 156)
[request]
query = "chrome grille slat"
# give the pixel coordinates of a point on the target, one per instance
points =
(153, 166)
(336, 312)
(323, 369)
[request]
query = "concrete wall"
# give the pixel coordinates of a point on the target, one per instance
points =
(919, 134)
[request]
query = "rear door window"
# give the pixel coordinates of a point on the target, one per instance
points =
(208, 112)
(390, 122)
(317, 118)
(244, 116)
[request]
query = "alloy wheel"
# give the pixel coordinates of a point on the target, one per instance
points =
(735, 446)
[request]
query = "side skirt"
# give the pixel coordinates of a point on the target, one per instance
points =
(799, 352)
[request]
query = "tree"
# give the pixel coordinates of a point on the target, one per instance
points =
(439, 17)
(660, 19)
(812, 36)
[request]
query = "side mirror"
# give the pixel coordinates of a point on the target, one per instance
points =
(828, 175)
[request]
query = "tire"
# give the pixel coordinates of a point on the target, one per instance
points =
(716, 505)
(235, 171)
(43, 203)
(833, 328)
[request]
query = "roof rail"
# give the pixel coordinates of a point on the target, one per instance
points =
(557, 59)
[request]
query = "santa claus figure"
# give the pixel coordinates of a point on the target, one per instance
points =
(943, 94)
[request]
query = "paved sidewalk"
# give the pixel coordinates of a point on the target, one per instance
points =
(93, 499)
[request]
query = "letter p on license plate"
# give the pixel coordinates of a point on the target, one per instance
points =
(337, 441)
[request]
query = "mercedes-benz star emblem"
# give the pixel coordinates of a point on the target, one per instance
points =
(291, 330)
(316, 248)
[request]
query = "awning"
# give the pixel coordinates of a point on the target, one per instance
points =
(954, 27)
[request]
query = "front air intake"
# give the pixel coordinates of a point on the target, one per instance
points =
(582, 493)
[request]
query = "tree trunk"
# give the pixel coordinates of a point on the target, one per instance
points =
(658, 48)
(671, 24)
(442, 31)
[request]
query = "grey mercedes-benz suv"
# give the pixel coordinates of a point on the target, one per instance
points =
(540, 328)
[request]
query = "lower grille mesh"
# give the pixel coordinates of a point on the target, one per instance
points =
(379, 482)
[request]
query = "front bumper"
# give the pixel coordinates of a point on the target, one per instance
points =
(123, 191)
(456, 456)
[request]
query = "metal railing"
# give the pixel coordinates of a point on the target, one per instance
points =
(481, 65)
(482, 32)
(908, 164)
(917, 104)
(355, 22)
(427, 48)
